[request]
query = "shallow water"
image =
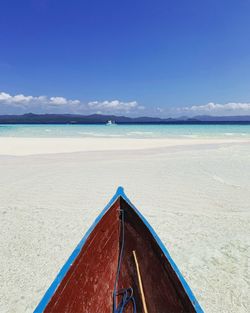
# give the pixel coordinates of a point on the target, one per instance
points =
(126, 131)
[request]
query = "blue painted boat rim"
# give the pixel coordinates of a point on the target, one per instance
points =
(119, 193)
(53, 287)
(185, 285)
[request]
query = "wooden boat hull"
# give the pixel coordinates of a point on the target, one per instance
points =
(86, 283)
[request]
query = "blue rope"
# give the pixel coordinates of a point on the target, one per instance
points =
(126, 293)
(127, 297)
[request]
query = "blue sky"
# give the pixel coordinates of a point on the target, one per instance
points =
(128, 57)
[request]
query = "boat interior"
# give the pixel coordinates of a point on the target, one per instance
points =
(120, 268)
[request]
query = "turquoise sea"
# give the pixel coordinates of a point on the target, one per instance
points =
(127, 131)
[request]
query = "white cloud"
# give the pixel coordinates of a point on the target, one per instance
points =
(62, 101)
(58, 100)
(5, 97)
(114, 106)
(18, 104)
(159, 109)
(230, 108)
(11, 104)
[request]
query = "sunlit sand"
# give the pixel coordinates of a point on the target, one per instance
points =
(195, 194)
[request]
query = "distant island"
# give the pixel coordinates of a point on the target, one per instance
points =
(31, 118)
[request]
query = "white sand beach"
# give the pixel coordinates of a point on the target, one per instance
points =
(194, 192)
(30, 146)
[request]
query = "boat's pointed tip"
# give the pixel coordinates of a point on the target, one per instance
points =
(120, 191)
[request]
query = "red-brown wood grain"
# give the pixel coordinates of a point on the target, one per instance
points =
(163, 290)
(89, 284)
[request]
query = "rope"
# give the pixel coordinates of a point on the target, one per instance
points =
(125, 293)
(127, 297)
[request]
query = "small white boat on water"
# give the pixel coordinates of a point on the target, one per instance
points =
(110, 123)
